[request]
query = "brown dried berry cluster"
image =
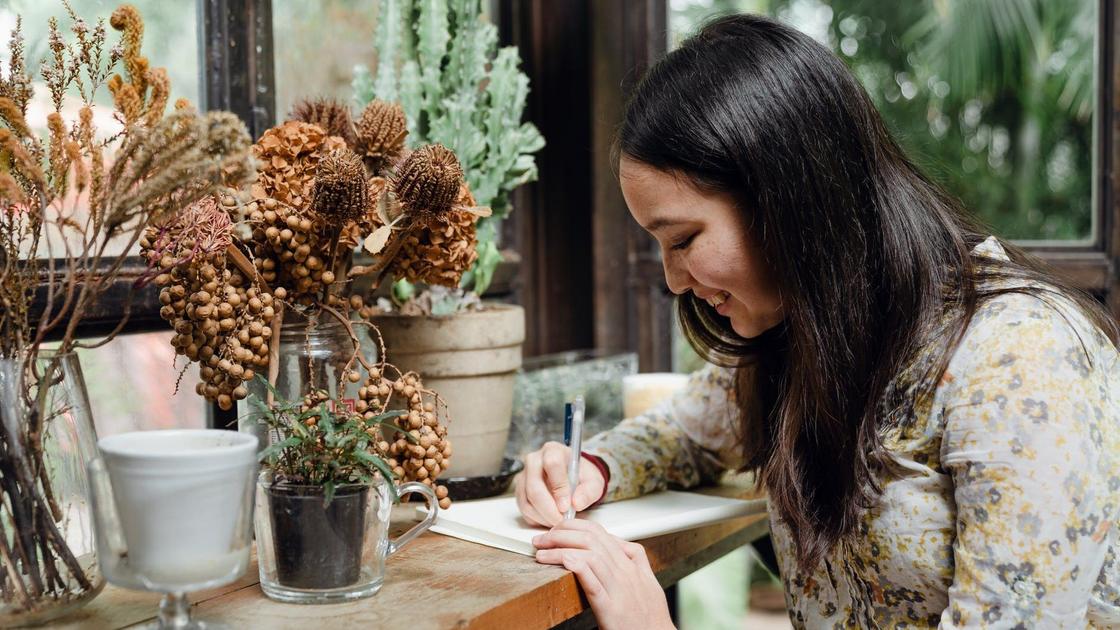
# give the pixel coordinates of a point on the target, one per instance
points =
(420, 450)
(220, 320)
(290, 250)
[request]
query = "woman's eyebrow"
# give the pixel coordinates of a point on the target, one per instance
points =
(660, 223)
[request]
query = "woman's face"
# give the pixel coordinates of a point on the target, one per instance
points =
(705, 246)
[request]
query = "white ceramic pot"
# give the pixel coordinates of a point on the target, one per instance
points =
(179, 496)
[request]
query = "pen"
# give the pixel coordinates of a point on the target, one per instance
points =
(576, 445)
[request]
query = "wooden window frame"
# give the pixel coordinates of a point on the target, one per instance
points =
(236, 76)
(633, 307)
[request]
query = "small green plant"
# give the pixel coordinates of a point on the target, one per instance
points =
(321, 442)
(441, 61)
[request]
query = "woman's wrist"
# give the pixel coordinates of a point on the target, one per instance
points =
(603, 470)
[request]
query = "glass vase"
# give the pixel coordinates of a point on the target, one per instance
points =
(48, 562)
(314, 351)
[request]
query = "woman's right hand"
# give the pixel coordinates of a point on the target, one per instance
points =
(542, 488)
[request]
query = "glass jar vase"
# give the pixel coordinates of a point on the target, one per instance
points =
(48, 561)
(314, 351)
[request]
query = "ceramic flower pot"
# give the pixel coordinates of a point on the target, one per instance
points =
(471, 359)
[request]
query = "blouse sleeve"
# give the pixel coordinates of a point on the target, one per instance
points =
(1030, 444)
(687, 440)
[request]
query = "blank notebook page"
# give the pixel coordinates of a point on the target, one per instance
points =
(498, 523)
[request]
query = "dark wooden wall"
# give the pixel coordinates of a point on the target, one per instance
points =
(1108, 160)
(551, 222)
(590, 277)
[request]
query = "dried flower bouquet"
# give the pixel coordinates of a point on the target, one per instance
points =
(63, 201)
(233, 264)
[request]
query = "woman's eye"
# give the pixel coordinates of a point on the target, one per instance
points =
(683, 244)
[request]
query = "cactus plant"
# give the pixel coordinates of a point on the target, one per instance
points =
(440, 60)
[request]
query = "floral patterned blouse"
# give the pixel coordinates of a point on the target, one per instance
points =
(1004, 511)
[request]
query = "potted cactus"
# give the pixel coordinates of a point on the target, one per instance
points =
(439, 64)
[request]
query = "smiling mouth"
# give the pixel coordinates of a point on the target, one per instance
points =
(718, 299)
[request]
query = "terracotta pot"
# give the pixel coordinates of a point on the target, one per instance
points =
(471, 360)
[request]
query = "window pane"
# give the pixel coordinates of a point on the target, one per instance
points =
(170, 41)
(317, 45)
(994, 99)
(131, 384)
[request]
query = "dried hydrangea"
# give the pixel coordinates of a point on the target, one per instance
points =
(287, 157)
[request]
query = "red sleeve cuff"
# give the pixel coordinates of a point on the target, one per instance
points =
(602, 466)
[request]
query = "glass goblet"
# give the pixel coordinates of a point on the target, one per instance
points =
(173, 513)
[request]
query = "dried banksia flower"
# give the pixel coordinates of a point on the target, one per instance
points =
(129, 97)
(160, 85)
(381, 131)
(439, 252)
(330, 114)
(340, 193)
(427, 183)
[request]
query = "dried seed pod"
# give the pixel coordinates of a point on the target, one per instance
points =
(340, 193)
(381, 130)
(427, 183)
(329, 114)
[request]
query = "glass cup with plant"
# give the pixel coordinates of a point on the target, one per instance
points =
(324, 499)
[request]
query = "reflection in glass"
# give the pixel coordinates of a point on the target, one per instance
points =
(139, 384)
(317, 45)
(545, 383)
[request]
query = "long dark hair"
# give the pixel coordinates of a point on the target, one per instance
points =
(868, 255)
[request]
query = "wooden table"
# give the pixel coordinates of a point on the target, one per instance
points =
(439, 582)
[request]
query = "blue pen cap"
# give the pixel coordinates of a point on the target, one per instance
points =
(567, 424)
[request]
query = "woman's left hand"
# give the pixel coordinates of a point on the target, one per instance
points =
(615, 574)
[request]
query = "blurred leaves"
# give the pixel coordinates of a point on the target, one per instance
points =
(993, 98)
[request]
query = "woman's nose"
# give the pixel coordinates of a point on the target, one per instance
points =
(677, 278)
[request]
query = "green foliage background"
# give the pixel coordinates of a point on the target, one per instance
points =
(993, 98)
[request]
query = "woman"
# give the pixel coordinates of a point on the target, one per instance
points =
(933, 418)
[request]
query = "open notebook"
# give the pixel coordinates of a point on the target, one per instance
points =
(498, 523)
